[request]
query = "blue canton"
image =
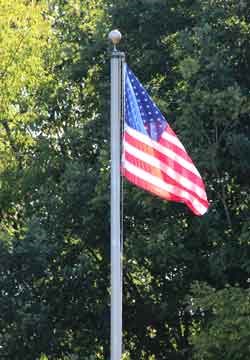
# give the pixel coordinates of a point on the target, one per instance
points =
(140, 111)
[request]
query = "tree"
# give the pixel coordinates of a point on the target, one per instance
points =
(46, 266)
(225, 325)
(207, 102)
(25, 37)
(213, 113)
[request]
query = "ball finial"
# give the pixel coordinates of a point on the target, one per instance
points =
(115, 36)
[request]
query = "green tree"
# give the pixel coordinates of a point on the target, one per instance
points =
(206, 98)
(224, 328)
(54, 279)
(25, 36)
(213, 114)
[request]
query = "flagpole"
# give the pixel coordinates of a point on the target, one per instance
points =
(117, 60)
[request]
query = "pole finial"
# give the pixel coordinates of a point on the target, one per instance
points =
(115, 36)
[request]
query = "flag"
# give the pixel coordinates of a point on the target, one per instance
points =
(153, 157)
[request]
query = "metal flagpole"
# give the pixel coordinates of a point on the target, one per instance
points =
(117, 60)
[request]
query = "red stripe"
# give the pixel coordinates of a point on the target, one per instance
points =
(157, 191)
(152, 170)
(165, 159)
(176, 149)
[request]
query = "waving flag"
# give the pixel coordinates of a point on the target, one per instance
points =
(153, 157)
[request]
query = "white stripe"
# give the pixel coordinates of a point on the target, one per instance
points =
(173, 139)
(164, 150)
(151, 160)
(145, 176)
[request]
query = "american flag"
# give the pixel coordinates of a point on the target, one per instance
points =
(153, 157)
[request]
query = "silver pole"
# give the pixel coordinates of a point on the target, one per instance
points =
(116, 255)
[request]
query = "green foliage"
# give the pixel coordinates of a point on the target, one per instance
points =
(24, 37)
(224, 328)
